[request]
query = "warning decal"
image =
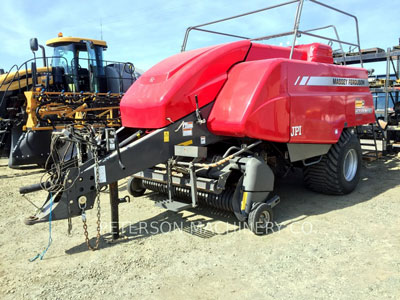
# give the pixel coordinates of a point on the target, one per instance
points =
(187, 129)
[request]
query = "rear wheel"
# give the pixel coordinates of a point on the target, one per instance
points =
(339, 170)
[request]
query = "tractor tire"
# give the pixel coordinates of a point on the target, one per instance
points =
(338, 172)
(135, 187)
(260, 218)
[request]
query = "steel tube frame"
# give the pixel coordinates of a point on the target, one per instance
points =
(337, 37)
(183, 48)
(326, 38)
(295, 31)
(349, 15)
(296, 26)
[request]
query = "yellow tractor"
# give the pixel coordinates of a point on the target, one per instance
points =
(73, 87)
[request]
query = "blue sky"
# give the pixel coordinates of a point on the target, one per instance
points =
(145, 32)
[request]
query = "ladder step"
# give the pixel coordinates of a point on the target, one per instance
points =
(372, 154)
(175, 206)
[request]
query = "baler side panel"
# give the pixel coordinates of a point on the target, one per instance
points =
(167, 91)
(320, 106)
(253, 102)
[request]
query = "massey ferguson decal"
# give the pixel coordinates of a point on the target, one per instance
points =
(329, 81)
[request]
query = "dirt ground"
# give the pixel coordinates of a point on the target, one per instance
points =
(323, 247)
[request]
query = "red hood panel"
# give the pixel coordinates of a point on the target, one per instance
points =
(166, 91)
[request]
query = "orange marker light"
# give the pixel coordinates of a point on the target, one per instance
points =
(60, 34)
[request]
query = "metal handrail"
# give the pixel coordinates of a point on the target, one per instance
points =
(272, 36)
(17, 73)
(8, 73)
(347, 14)
(296, 26)
(294, 32)
(326, 38)
(189, 29)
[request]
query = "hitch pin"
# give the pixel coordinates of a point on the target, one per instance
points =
(82, 206)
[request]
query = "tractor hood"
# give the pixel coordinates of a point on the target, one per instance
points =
(9, 81)
(167, 91)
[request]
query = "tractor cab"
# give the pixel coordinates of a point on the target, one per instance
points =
(79, 62)
(78, 65)
(33, 102)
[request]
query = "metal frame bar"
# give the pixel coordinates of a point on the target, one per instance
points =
(295, 30)
(326, 38)
(394, 68)
(369, 57)
(337, 37)
(306, 32)
(347, 14)
(296, 26)
(189, 29)
(272, 36)
(220, 33)
(18, 77)
(193, 184)
(388, 56)
(385, 141)
(387, 84)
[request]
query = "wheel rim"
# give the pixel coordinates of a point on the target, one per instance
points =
(350, 165)
(264, 220)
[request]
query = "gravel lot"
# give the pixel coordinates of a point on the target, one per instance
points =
(323, 247)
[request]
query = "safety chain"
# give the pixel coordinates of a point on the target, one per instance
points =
(85, 231)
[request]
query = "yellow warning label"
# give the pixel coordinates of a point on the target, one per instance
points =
(360, 103)
(166, 136)
(187, 143)
(244, 201)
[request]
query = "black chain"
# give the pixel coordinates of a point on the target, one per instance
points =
(85, 231)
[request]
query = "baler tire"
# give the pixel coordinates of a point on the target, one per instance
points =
(135, 187)
(328, 176)
(260, 218)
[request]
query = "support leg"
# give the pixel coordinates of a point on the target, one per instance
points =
(114, 201)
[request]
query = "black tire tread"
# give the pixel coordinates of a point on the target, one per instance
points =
(251, 221)
(323, 177)
(134, 191)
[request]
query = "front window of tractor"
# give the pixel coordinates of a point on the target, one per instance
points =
(63, 57)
